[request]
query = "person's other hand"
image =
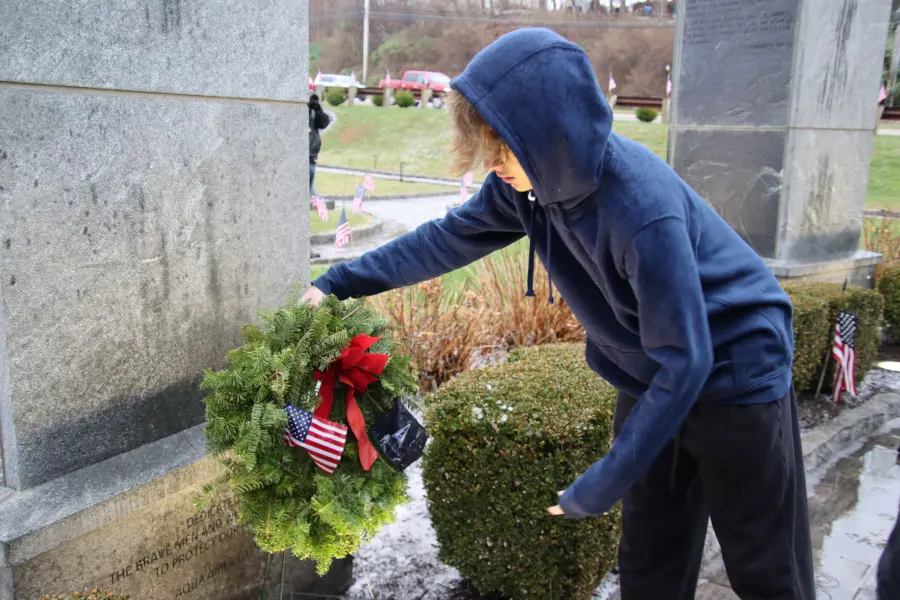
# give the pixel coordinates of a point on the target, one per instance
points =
(313, 295)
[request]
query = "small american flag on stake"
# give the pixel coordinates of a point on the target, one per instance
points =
(369, 183)
(882, 94)
(358, 198)
(844, 353)
(321, 208)
(467, 179)
(612, 82)
(342, 235)
(322, 439)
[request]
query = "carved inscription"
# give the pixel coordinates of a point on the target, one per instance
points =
(199, 534)
(737, 22)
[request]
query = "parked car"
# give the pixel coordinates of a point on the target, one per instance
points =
(332, 80)
(416, 81)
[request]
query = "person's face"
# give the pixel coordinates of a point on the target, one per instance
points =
(508, 168)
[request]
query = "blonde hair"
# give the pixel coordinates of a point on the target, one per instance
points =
(473, 138)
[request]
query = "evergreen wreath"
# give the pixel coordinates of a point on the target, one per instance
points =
(280, 494)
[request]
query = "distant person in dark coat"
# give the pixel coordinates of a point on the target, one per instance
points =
(318, 120)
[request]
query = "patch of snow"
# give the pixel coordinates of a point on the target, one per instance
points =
(879, 381)
(608, 588)
(402, 561)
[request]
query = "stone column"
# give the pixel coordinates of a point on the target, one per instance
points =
(426, 97)
(772, 122)
(153, 197)
(351, 95)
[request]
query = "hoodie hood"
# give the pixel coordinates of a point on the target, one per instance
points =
(538, 91)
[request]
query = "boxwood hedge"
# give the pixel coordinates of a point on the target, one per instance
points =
(504, 441)
(816, 305)
(889, 286)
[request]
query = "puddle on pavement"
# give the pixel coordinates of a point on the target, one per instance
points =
(852, 513)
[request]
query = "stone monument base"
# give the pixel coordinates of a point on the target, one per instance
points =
(858, 269)
(129, 525)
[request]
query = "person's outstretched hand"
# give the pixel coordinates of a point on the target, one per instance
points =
(313, 295)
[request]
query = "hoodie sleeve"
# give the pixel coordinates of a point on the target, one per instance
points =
(662, 270)
(487, 222)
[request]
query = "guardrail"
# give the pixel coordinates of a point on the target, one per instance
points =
(890, 215)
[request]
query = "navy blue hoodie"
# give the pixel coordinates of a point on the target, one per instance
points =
(677, 308)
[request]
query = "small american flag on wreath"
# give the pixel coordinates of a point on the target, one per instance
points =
(322, 439)
(844, 352)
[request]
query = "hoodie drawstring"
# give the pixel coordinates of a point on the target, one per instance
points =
(549, 263)
(529, 292)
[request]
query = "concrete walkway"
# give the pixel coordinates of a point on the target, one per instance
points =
(399, 216)
(851, 512)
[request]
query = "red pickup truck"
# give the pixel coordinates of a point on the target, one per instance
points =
(416, 81)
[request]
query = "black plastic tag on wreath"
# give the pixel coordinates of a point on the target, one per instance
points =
(399, 436)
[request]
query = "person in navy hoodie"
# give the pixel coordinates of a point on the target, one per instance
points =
(681, 315)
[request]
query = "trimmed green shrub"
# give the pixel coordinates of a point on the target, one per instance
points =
(816, 305)
(378, 100)
(404, 99)
(889, 286)
(646, 115)
(335, 97)
(504, 441)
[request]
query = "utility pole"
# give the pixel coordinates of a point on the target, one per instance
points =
(365, 74)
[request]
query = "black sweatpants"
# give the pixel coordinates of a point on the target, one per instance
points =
(741, 466)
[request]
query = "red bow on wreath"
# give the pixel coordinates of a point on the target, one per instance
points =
(356, 369)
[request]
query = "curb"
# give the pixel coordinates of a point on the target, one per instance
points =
(822, 447)
(329, 204)
(411, 176)
(345, 198)
(359, 233)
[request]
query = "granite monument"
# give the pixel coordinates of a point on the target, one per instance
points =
(153, 197)
(773, 114)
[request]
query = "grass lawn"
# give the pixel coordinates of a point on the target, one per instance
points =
(335, 184)
(372, 137)
(455, 281)
(884, 173)
(366, 136)
(317, 225)
(420, 139)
